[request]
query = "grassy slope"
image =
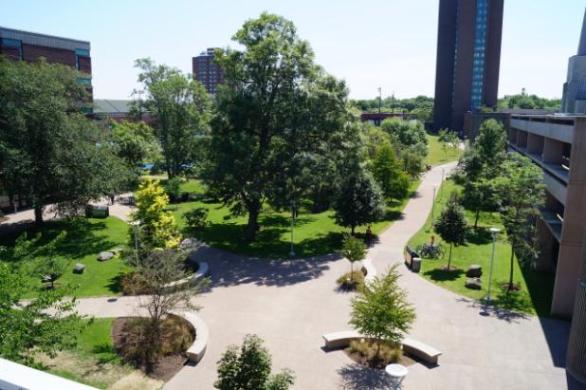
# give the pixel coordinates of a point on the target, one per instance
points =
(83, 243)
(314, 234)
(536, 287)
(436, 154)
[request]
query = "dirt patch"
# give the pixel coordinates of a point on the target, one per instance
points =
(361, 359)
(178, 336)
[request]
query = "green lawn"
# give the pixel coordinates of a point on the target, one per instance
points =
(436, 154)
(85, 239)
(536, 287)
(314, 234)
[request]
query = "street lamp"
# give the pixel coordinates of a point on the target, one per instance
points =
(494, 232)
(135, 225)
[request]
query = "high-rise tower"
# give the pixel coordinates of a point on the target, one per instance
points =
(468, 59)
(574, 95)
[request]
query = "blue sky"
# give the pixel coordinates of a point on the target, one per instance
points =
(369, 43)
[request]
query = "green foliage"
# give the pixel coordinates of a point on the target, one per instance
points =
(249, 368)
(378, 355)
(452, 225)
(49, 151)
(420, 107)
(480, 195)
(182, 109)
(393, 182)
(278, 117)
(27, 325)
(134, 143)
(410, 140)
(359, 201)
(382, 311)
(525, 101)
(173, 188)
(353, 249)
(491, 145)
(521, 192)
(197, 218)
(352, 280)
(157, 226)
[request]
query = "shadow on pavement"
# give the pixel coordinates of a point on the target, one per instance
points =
(355, 377)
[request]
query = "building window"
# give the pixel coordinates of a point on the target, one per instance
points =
(14, 44)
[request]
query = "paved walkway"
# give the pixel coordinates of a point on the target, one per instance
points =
(291, 304)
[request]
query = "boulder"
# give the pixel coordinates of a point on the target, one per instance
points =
(79, 268)
(105, 256)
(189, 244)
(474, 271)
(474, 283)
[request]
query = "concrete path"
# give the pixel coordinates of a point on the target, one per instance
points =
(291, 304)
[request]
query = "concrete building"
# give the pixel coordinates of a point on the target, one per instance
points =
(468, 59)
(574, 93)
(29, 46)
(558, 145)
(207, 71)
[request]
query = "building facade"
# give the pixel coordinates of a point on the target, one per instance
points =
(468, 59)
(574, 93)
(29, 46)
(207, 71)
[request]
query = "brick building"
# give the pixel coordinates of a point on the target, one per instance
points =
(207, 71)
(29, 46)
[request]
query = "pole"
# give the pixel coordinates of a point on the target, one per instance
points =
(441, 184)
(380, 99)
(494, 233)
(432, 206)
(292, 252)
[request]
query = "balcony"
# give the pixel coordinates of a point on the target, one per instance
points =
(558, 131)
(559, 171)
(557, 189)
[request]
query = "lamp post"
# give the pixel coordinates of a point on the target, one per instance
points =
(135, 225)
(292, 252)
(433, 206)
(494, 231)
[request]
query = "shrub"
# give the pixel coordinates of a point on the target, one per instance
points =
(375, 355)
(196, 219)
(131, 284)
(354, 281)
(173, 189)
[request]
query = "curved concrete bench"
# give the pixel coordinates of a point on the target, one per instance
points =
(202, 334)
(412, 347)
(202, 272)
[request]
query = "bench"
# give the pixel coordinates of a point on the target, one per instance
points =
(420, 350)
(202, 334)
(340, 339)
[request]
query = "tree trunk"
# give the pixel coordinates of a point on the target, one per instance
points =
(476, 219)
(252, 225)
(38, 215)
(450, 258)
(352, 229)
(510, 287)
(351, 271)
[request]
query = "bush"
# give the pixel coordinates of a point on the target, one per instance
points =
(374, 354)
(131, 284)
(196, 219)
(354, 281)
(173, 189)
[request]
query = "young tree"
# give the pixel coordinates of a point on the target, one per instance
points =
(480, 195)
(277, 110)
(382, 311)
(25, 323)
(157, 226)
(353, 249)
(157, 272)
(491, 146)
(49, 151)
(181, 108)
(359, 200)
(521, 193)
(451, 225)
(393, 182)
(249, 368)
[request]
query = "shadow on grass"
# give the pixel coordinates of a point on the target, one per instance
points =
(442, 275)
(355, 377)
(479, 236)
(115, 284)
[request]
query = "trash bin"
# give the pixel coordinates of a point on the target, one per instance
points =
(416, 264)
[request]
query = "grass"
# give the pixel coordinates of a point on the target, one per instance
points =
(86, 238)
(314, 234)
(536, 288)
(94, 360)
(436, 154)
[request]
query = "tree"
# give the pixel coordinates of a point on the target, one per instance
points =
(393, 182)
(410, 141)
(353, 249)
(480, 195)
(49, 151)
(449, 140)
(277, 112)
(45, 323)
(521, 192)
(157, 272)
(382, 311)
(359, 201)
(491, 146)
(249, 368)
(181, 108)
(157, 226)
(451, 225)
(134, 143)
